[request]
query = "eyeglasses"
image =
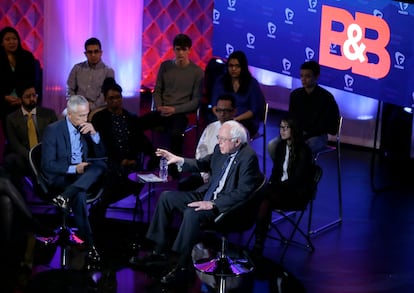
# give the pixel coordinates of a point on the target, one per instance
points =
(219, 110)
(233, 65)
(28, 96)
(224, 139)
(90, 52)
(284, 127)
(117, 97)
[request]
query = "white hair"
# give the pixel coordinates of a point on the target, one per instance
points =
(75, 101)
(237, 130)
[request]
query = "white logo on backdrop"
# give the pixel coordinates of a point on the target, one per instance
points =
(403, 8)
(309, 53)
(312, 5)
(399, 60)
(229, 50)
(286, 66)
(377, 13)
(271, 29)
(216, 16)
(349, 81)
(232, 5)
(250, 40)
(289, 14)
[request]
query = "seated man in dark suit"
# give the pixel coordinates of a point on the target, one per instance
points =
(21, 136)
(67, 145)
(235, 174)
(125, 144)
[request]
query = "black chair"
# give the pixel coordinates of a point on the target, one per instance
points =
(64, 236)
(240, 218)
(329, 149)
(295, 219)
(263, 134)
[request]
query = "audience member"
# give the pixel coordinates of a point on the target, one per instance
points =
(17, 65)
(23, 134)
(178, 91)
(235, 175)
(314, 108)
(225, 110)
(125, 145)
(290, 181)
(86, 78)
(238, 81)
(17, 242)
(66, 148)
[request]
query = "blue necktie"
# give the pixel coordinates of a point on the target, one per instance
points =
(214, 184)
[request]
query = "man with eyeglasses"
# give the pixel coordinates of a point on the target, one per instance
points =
(86, 78)
(20, 137)
(225, 109)
(235, 175)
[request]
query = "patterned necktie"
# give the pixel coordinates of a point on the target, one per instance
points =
(31, 131)
(216, 180)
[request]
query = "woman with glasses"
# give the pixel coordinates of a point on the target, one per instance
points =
(290, 180)
(239, 82)
(17, 66)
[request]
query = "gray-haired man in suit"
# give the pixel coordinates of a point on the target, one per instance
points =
(230, 183)
(67, 147)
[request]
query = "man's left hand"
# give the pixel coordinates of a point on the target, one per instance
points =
(201, 205)
(166, 110)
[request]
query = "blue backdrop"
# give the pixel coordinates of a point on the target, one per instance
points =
(364, 47)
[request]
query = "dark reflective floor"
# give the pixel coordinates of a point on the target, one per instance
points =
(371, 251)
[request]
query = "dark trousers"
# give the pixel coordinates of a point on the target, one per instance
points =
(77, 202)
(175, 126)
(189, 231)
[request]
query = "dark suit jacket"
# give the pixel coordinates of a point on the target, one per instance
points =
(243, 178)
(18, 140)
(56, 150)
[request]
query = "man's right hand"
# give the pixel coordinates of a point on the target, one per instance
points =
(80, 168)
(171, 158)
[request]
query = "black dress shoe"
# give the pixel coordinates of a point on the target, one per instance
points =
(93, 260)
(150, 259)
(178, 276)
(61, 202)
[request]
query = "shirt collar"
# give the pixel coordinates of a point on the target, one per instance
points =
(71, 128)
(25, 112)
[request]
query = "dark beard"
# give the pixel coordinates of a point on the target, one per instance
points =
(30, 107)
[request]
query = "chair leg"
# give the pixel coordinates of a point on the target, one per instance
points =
(222, 285)
(287, 241)
(308, 243)
(338, 221)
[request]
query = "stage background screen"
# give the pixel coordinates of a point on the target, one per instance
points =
(364, 47)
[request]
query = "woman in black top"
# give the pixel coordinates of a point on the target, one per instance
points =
(290, 182)
(17, 66)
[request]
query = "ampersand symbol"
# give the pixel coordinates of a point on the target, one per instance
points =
(354, 34)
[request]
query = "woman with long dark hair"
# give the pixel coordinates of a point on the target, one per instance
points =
(290, 181)
(17, 66)
(239, 82)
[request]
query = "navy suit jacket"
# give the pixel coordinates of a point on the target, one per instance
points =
(18, 139)
(56, 150)
(243, 178)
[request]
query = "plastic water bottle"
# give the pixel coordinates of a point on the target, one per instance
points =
(163, 169)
